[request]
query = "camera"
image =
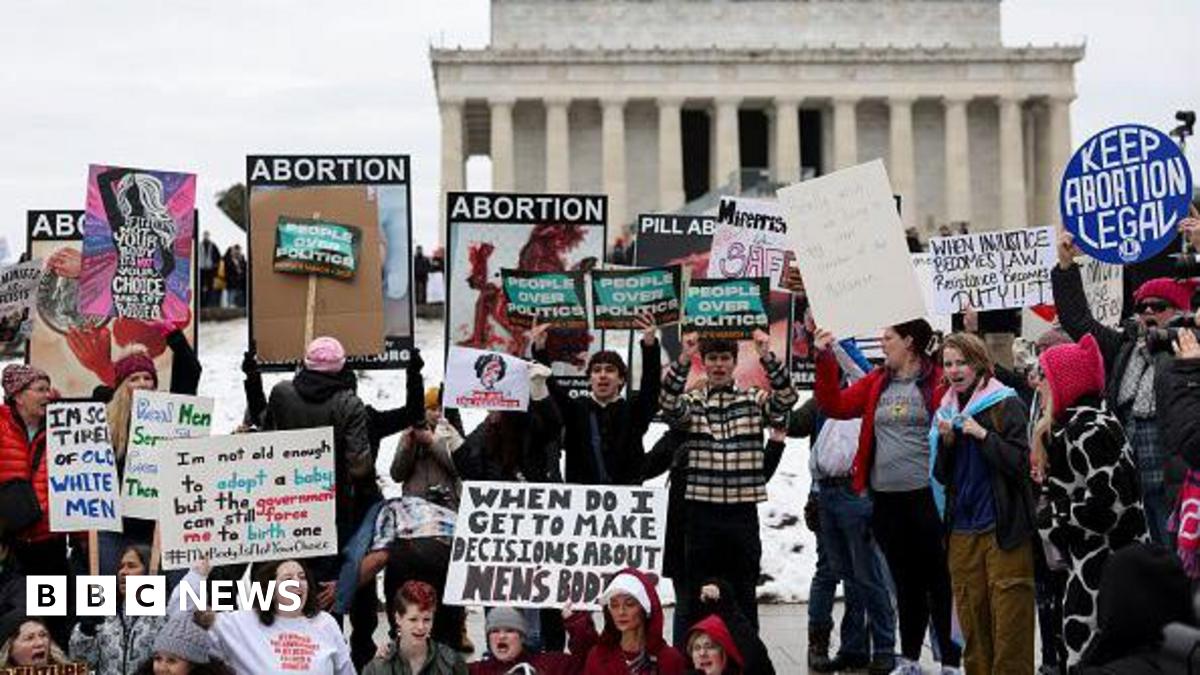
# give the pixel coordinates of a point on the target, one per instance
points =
(1187, 123)
(1162, 338)
(1185, 265)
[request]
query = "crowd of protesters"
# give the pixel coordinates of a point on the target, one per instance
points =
(954, 499)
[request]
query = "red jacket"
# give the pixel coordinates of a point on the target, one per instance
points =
(606, 658)
(860, 400)
(16, 457)
(582, 636)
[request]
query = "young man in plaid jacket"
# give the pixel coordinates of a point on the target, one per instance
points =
(722, 427)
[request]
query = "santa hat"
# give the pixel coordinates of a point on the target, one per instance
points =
(1177, 293)
(629, 585)
(1072, 372)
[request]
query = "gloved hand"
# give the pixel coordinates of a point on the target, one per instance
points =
(415, 362)
(812, 513)
(538, 374)
(250, 360)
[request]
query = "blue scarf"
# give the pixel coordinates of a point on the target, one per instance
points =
(983, 398)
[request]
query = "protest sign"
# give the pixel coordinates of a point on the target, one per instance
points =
(1103, 286)
(76, 350)
(18, 295)
(56, 669)
(490, 231)
(247, 497)
(435, 288)
(556, 298)
(992, 270)
(81, 468)
(850, 247)
(620, 296)
(750, 240)
(546, 545)
(154, 417)
(373, 321)
(923, 264)
(485, 380)
(137, 246)
(1123, 192)
(726, 308)
(307, 246)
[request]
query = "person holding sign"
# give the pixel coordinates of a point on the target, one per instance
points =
(726, 476)
(120, 643)
(896, 403)
(603, 432)
(632, 641)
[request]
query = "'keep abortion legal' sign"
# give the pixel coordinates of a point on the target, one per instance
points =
(1123, 192)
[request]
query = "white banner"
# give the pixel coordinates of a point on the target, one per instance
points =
(157, 416)
(547, 544)
(81, 468)
(992, 270)
(750, 240)
(247, 497)
(486, 380)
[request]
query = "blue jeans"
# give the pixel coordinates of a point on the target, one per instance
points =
(846, 528)
(823, 588)
(352, 557)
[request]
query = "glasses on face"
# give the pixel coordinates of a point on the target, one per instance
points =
(1154, 306)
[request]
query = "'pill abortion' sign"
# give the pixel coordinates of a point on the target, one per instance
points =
(1123, 192)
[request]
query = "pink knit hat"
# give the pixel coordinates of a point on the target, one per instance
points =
(1178, 293)
(134, 362)
(1073, 371)
(325, 355)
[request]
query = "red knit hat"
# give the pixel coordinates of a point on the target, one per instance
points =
(134, 362)
(1178, 293)
(714, 627)
(1073, 371)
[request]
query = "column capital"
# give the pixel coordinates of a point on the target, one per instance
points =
(497, 101)
(844, 100)
(788, 101)
(899, 101)
(556, 101)
(956, 99)
(1060, 99)
(669, 101)
(727, 101)
(451, 101)
(613, 100)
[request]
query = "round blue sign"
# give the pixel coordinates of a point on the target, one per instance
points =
(1123, 193)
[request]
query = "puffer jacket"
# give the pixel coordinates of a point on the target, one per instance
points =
(16, 458)
(119, 645)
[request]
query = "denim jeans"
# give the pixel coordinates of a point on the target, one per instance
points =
(846, 530)
(823, 588)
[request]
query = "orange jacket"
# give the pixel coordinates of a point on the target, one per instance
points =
(16, 458)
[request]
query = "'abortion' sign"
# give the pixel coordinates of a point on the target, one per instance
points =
(1123, 192)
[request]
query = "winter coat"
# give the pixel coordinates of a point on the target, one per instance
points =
(756, 659)
(514, 446)
(1178, 396)
(860, 400)
(420, 468)
(621, 425)
(185, 369)
(582, 636)
(16, 457)
(441, 660)
(605, 658)
(119, 645)
(1006, 453)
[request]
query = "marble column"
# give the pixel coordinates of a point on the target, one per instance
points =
(787, 140)
(503, 167)
(1058, 150)
(958, 161)
(453, 177)
(612, 139)
(558, 146)
(670, 155)
(728, 153)
(902, 167)
(1012, 166)
(845, 132)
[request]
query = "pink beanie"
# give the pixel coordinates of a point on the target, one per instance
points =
(1073, 371)
(325, 355)
(134, 362)
(1178, 293)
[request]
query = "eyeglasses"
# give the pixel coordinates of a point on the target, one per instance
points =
(1155, 306)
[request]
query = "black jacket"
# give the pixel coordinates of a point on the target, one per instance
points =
(1007, 454)
(185, 369)
(1178, 399)
(513, 446)
(754, 652)
(621, 425)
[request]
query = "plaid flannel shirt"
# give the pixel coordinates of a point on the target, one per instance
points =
(723, 433)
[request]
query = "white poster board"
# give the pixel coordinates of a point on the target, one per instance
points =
(923, 264)
(750, 240)
(485, 380)
(156, 416)
(850, 247)
(992, 270)
(81, 469)
(1103, 284)
(435, 288)
(547, 544)
(18, 286)
(247, 497)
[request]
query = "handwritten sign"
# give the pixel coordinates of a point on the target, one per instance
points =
(485, 380)
(247, 497)
(726, 308)
(544, 545)
(18, 286)
(750, 240)
(155, 417)
(850, 247)
(618, 296)
(82, 469)
(545, 297)
(304, 246)
(992, 270)
(1103, 284)
(1123, 192)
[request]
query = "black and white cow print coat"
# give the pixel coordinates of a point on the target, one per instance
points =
(1093, 507)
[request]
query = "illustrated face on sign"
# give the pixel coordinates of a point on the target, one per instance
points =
(505, 644)
(627, 614)
(490, 369)
(707, 655)
(31, 645)
(959, 372)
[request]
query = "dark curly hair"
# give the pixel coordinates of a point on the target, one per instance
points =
(266, 572)
(482, 362)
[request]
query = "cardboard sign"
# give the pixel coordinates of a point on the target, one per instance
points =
(306, 246)
(1103, 284)
(1123, 192)
(137, 245)
(850, 247)
(82, 469)
(247, 497)
(750, 240)
(620, 296)
(556, 298)
(726, 308)
(992, 270)
(546, 545)
(372, 320)
(487, 232)
(153, 418)
(485, 380)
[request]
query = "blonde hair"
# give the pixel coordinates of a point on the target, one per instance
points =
(56, 654)
(119, 411)
(1041, 433)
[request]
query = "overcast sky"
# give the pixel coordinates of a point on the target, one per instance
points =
(196, 85)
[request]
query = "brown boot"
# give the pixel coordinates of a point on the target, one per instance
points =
(818, 649)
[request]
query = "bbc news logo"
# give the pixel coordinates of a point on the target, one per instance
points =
(46, 595)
